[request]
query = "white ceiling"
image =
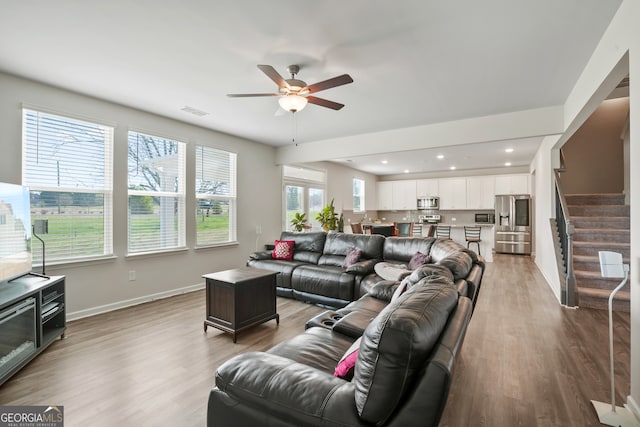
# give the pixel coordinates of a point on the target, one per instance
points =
(414, 63)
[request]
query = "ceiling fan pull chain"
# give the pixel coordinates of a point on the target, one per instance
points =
(294, 128)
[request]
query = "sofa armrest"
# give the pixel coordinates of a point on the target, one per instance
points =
(362, 267)
(384, 289)
(353, 324)
(260, 255)
(298, 393)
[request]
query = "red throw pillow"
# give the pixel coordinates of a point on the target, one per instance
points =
(283, 249)
(418, 260)
(347, 364)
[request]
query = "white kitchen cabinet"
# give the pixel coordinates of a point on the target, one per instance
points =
(426, 188)
(384, 191)
(481, 192)
(452, 193)
(512, 184)
(404, 195)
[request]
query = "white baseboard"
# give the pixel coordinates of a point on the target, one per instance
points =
(633, 407)
(131, 302)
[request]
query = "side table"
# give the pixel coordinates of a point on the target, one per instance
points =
(240, 298)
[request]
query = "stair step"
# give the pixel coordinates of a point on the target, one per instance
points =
(599, 298)
(599, 210)
(592, 248)
(601, 235)
(593, 279)
(609, 222)
(595, 199)
(589, 262)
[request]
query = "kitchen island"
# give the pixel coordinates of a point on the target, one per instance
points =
(457, 234)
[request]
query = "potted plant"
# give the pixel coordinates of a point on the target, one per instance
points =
(299, 222)
(327, 217)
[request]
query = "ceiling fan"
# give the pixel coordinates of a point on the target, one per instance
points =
(294, 93)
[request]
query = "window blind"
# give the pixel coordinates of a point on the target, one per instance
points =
(215, 187)
(67, 164)
(156, 170)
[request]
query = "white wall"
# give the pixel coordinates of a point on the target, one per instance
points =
(101, 285)
(617, 54)
(544, 208)
(340, 185)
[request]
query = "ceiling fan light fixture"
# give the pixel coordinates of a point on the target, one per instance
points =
(292, 102)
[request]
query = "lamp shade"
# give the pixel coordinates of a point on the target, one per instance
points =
(293, 103)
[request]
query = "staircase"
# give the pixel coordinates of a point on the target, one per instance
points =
(601, 223)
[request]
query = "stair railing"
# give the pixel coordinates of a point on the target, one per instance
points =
(566, 230)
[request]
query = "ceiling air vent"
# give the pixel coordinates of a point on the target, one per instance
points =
(194, 111)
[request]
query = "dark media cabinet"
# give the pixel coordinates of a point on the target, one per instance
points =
(32, 316)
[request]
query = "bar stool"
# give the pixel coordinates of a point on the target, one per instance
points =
(472, 235)
(356, 228)
(443, 231)
(403, 229)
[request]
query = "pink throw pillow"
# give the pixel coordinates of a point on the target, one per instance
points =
(347, 364)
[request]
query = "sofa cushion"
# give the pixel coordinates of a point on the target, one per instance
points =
(283, 249)
(325, 280)
(285, 268)
(338, 244)
(396, 345)
(401, 249)
(308, 246)
(459, 263)
(316, 347)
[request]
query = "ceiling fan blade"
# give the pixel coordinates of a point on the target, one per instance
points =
(246, 95)
(273, 75)
(327, 84)
(324, 103)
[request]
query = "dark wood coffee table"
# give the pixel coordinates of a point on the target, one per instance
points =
(240, 298)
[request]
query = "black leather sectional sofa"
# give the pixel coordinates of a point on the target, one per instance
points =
(407, 345)
(315, 274)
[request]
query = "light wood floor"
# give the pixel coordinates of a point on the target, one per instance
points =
(525, 361)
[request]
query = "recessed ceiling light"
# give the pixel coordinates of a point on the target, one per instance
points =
(508, 150)
(508, 164)
(406, 171)
(384, 162)
(452, 168)
(440, 156)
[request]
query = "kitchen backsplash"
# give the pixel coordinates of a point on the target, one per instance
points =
(461, 217)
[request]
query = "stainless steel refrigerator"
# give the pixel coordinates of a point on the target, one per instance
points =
(513, 224)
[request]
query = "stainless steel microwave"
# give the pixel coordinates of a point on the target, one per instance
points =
(485, 218)
(430, 202)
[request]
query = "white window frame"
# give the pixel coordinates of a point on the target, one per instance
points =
(362, 207)
(306, 184)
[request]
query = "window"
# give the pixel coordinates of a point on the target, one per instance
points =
(156, 211)
(215, 188)
(67, 165)
(358, 195)
(304, 192)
